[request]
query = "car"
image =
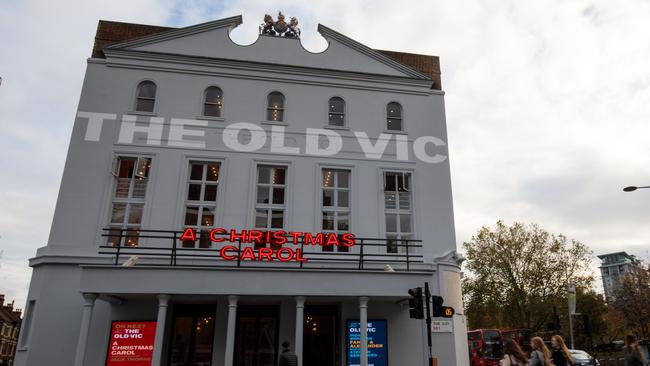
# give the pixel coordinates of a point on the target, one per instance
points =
(582, 358)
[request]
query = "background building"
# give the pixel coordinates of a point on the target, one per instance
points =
(613, 267)
(9, 328)
(182, 128)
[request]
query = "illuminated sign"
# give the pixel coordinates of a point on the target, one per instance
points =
(281, 240)
(377, 343)
(131, 343)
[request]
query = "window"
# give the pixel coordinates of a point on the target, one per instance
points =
(201, 201)
(212, 102)
(336, 112)
(275, 107)
(335, 203)
(27, 323)
(270, 197)
(394, 117)
(398, 209)
(146, 97)
(132, 176)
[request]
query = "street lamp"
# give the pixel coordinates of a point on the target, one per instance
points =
(633, 188)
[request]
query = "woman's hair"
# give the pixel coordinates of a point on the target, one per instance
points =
(563, 347)
(629, 340)
(512, 348)
(539, 345)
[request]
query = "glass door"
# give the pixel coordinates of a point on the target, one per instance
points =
(320, 336)
(192, 335)
(256, 342)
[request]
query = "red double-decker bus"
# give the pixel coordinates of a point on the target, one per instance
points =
(521, 336)
(485, 347)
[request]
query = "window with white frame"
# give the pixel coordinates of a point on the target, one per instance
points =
(270, 198)
(201, 201)
(398, 209)
(132, 177)
(212, 102)
(145, 98)
(336, 112)
(394, 117)
(335, 203)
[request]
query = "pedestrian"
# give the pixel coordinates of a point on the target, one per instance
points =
(560, 353)
(540, 356)
(287, 357)
(632, 352)
(513, 355)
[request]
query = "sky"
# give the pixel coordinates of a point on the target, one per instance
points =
(547, 104)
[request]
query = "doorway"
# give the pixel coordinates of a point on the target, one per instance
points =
(192, 335)
(256, 339)
(320, 336)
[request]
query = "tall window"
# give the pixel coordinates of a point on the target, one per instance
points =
(275, 107)
(212, 102)
(398, 210)
(146, 96)
(335, 204)
(394, 117)
(270, 198)
(132, 176)
(201, 201)
(336, 112)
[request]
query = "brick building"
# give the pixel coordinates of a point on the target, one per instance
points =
(9, 327)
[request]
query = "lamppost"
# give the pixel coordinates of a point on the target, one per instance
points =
(633, 188)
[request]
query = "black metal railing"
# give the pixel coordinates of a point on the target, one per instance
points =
(168, 246)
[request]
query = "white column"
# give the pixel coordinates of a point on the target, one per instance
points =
(86, 318)
(230, 332)
(163, 304)
(363, 325)
(300, 323)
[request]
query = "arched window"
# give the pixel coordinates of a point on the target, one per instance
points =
(212, 102)
(336, 111)
(394, 117)
(146, 97)
(275, 107)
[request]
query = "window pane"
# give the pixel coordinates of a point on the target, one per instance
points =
(328, 198)
(204, 239)
(343, 179)
(196, 172)
(391, 223)
(343, 199)
(212, 110)
(144, 105)
(394, 124)
(278, 196)
(337, 105)
(389, 182)
(194, 192)
(262, 194)
(113, 237)
(328, 221)
(213, 173)
(139, 188)
(278, 176)
(135, 213)
(390, 200)
(131, 238)
(264, 175)
(142, 170)
(207, 216)
(403, 182)
(276, 100)
(391, 244)
(122, 187)
(275, 115)
(405, 200)
(343, 223)
(328, 178)
(213, 95)
(126, 167)
(117, 215)
(191, 215)
(261, 218)
(336, 119)
(405, 223)
(394, 110)
(210, 192)
(277, 219)
(147, 89)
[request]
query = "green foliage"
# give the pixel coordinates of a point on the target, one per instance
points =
(632, 300)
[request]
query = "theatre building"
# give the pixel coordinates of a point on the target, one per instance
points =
(219, 199)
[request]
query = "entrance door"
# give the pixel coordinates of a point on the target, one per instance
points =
(320, 336)
(256, 342)
(192, 335)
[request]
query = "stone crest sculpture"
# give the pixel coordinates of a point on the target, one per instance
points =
(280, 27)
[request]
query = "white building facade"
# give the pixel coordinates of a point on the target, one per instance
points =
(613, 268)
(219, 199)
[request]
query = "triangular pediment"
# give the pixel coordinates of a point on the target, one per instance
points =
(212, 40)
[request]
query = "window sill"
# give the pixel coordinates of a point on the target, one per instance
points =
(396, 132)
(21, 349)
(140, 113)
(275, 123)
(333, 127)
(210, 118)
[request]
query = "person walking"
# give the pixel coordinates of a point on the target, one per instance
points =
(540, 355)
(632, 352)
(560, 354)
(287, 357)
(513, 355)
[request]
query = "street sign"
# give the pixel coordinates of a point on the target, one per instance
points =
(442, 326)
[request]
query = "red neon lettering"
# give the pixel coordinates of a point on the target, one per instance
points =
(295, 236)
(332, 239)
(214, 237)
(265, 253)
(241, 236)
(227, 256)
(189, 234)
(348, 240)
(248, 254)
(255, 236)
(299, 257)
(313, 240)
(278, 254)
(280, 237)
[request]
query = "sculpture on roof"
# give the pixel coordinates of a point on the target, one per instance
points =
(280, 27)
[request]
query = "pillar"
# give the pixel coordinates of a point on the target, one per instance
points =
(363, 325)
(163, 304)
(86, 318)
(230, 332)
(300, 324)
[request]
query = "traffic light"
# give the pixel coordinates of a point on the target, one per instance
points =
(440, 311)
(416, 308)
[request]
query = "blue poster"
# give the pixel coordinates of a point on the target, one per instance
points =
(377, 343)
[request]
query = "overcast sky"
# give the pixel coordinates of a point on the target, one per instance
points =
(548, 104)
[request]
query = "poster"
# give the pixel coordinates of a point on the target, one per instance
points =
(377, 343)
(131, 344)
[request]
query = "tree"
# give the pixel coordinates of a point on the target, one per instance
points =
(632, 299)
(516, 274)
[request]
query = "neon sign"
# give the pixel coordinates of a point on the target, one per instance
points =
(281, 240)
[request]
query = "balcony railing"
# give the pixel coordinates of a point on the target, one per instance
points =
(165, 247)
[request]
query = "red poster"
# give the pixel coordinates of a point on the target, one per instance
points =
(131, 343)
